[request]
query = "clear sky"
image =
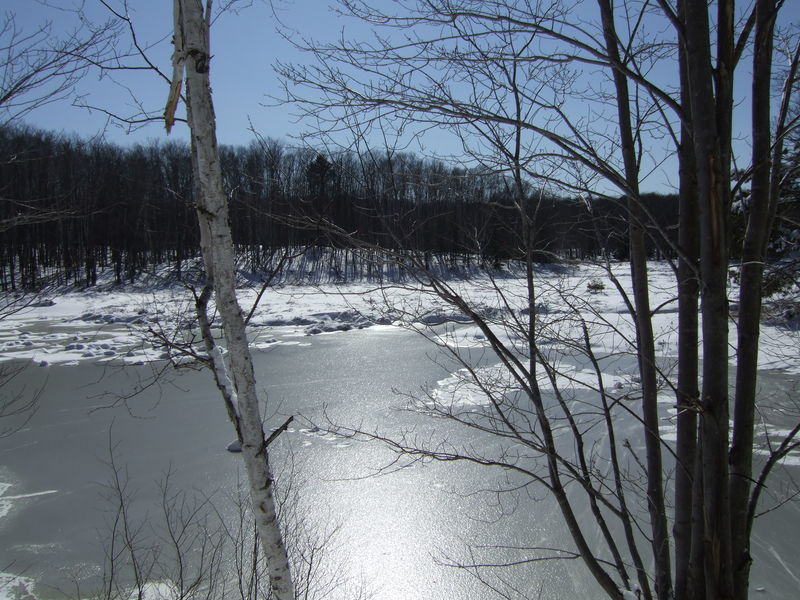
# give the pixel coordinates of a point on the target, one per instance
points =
(245, 44)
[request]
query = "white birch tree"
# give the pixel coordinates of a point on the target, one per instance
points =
(235, 378)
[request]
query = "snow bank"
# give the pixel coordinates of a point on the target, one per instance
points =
(16, 587)
(116, 325)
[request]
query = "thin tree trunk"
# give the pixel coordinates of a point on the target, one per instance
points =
(192, 46)
(644, 325)
(687, 392)
(711, 114)
(687, 388)
(763, 202)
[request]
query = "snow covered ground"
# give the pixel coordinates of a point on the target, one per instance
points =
(112, 325)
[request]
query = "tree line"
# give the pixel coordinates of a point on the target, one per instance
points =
(72, 208)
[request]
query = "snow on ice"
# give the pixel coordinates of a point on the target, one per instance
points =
(114, 326)
(117, 326)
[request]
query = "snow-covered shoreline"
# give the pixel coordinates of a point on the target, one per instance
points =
(112, 325)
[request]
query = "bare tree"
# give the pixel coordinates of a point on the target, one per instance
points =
(193, 545)
(17, 403)
(191, 60)
(453, 68)
(38, 67)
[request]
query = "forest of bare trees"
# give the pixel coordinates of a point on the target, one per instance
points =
(127, 210)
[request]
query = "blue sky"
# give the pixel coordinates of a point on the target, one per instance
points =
(245, 44)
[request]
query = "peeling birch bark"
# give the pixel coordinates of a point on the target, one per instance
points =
(192, 55)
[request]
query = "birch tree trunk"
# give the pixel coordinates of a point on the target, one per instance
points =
(192, 54)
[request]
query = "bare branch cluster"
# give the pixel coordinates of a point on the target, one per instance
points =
(38, 67)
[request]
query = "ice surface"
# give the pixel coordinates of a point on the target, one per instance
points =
(116, 326)
(16, 587)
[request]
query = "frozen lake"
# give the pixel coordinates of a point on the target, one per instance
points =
(395, 528)
(398, 533)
